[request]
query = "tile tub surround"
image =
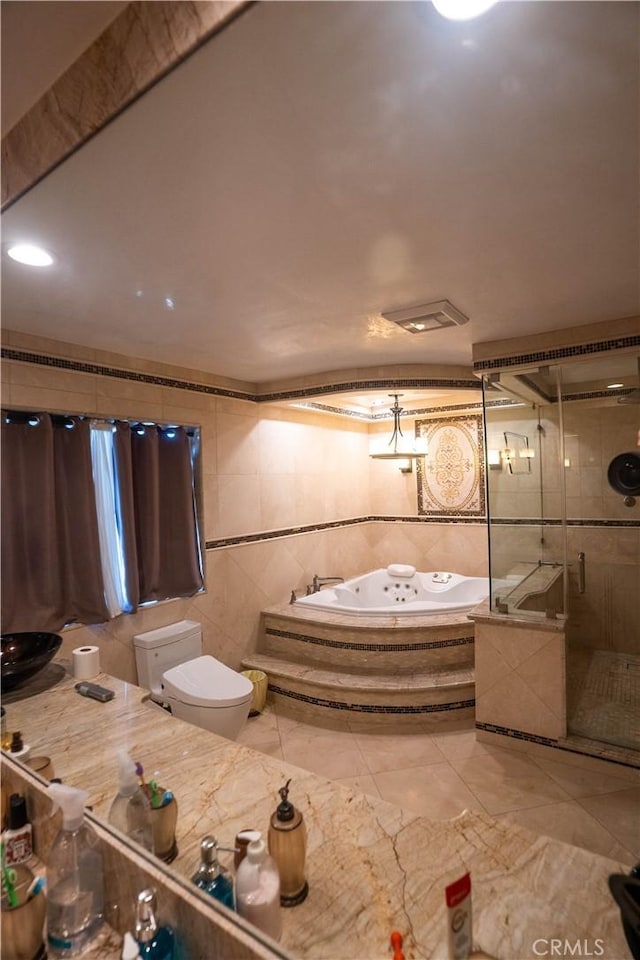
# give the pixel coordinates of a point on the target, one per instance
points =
(372, 866)
(374, 667)
(520, 673)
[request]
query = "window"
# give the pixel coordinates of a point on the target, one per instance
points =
(98, 517)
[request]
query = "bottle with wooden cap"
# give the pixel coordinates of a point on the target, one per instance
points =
(288, 847)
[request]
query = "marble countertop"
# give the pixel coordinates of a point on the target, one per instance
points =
(372, 867)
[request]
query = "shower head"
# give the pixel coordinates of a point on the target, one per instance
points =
(634, 396)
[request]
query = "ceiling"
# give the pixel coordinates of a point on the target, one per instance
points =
(317, 164)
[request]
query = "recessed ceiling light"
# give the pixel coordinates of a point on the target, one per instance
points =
(462, 9)
(30, 254)
(614, 386)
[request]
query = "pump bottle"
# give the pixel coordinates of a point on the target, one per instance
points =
(130, 810)
(211, 876)
(288, 847)
(154, 942)
(75, 893)
(258, 889)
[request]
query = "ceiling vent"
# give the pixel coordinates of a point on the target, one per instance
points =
(429, 316)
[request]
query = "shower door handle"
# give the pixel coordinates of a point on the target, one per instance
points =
(582, 579)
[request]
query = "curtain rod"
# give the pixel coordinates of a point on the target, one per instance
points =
(60, 419)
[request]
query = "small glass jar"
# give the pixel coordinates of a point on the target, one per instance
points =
(5, 738)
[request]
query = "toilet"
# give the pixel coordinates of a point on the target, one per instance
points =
(196, 688)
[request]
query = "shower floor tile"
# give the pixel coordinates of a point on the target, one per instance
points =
(604, 697)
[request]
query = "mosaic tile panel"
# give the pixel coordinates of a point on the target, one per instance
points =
(373, 708)
(369, 647)
(564, 746)
(557, 353)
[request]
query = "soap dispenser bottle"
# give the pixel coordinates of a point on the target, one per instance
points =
(211, 876)
(154, 942)
(130, 810)
(258, 889)
(75, 894)
(288, 847)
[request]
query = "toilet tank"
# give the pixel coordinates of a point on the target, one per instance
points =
(159, 650)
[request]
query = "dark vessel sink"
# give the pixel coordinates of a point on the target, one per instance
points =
(24, 654)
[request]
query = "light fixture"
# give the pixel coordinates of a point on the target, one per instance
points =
(429, 316)
(401, 448)
(30, 254)
(614, 386)
(493, 458)
(462, 9)
(516, 447)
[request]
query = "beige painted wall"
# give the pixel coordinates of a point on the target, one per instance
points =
(263, 468)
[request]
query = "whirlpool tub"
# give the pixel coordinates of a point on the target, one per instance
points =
(401, 589)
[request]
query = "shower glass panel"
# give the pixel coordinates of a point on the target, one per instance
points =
(563, 543)
(524, 495)
(603, 545)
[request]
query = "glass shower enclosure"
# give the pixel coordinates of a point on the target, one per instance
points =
(563, 461)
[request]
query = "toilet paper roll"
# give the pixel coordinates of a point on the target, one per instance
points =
(86, 663)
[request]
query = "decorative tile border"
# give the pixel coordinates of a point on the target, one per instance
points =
(223, 542)
(373, 707)
(595, 395)
(549, 742)
(368, 647)
(557, 522)
(387, 415)
(557, 353)
(284, 532)
(97, 369)
(419, 383)
(82, 366)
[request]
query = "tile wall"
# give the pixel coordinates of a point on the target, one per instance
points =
(264, 468)
(520, 677)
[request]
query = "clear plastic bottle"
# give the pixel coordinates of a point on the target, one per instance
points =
(258, 889)
(75, 893)
(211, 875)
(154, 942)
(130, 810)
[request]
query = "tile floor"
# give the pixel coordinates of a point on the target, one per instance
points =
(438, 773)
(604, 696)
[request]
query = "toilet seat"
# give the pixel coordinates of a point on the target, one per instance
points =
(205, 682)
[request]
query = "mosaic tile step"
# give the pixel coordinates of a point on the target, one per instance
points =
(418, 693)
(405, 651)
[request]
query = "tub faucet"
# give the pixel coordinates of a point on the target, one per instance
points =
(320, 582)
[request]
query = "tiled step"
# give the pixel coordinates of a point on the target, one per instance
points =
(420, 695)
(426, 647)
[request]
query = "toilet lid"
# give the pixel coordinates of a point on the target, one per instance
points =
(205, 682)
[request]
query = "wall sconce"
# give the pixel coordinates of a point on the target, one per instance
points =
(401, 448)
(494, 459)
(517, 448)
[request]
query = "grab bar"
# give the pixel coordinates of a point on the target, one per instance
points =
(582, 578)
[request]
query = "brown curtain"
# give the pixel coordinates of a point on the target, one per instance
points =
(51, 573)
(162, 504)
